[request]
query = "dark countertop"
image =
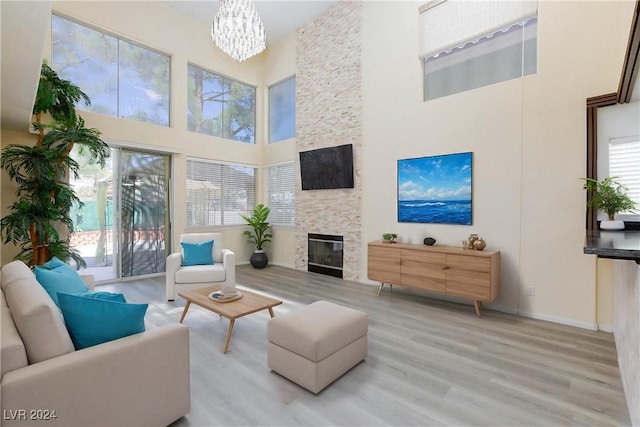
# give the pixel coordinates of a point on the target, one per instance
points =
(623, 244)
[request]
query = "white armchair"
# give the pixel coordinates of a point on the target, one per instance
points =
(182, 278)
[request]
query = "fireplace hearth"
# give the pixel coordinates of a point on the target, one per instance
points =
(325, 254)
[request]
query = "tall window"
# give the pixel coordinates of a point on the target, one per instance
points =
(281, 193)
(470, 44)
(282, 110)
(624, 164)
(217, 193)
(219, 106)
(123, 79)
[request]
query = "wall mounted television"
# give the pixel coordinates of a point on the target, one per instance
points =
(327, 168)
(436, 189)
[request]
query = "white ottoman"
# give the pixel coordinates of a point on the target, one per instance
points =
(316, 344)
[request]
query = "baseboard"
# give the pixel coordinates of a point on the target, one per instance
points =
(500, 308)
(605, 328)
(560, 320)
(282, 264)
(279, 264)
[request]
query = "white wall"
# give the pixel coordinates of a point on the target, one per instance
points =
(528, 137)
(279, 63)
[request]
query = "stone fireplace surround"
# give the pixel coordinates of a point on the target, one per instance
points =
(329, 113)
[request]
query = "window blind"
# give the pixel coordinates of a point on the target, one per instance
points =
(281, 190)
(449, 23)
(624, 163)
(217, 193)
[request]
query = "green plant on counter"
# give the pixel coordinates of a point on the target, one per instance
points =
(608, 196)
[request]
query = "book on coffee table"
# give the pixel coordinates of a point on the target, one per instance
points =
(222, 296)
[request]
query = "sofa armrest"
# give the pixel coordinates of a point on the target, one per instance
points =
(174, 261)
(140, 380)
(229, 263)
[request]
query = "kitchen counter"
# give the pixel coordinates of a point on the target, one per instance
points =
(623, 244)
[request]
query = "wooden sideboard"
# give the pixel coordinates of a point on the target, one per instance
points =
(447, 270)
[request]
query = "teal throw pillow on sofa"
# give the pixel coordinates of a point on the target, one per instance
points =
(197, 253)
(92, 321)
(110, 296)
(56, 276)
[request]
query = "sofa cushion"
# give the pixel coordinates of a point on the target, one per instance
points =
(37, 319)
(197, 253)
(15, 270)
(93, 321)
(200, 274)
(12, 352)
(56, 276)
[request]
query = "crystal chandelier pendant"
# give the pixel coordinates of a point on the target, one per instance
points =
(238, 30)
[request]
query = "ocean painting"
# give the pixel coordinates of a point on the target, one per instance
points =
(436, 189)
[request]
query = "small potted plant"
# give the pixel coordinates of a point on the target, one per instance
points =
(260, 235)
(389, 237)
(610, 197)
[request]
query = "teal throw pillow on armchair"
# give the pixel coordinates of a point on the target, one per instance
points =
(92, 321)
(197, 253)
(56, 276)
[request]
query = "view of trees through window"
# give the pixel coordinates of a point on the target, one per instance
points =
(122, 78)
(220, 106)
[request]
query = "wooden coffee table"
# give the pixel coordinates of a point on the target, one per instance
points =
(248, 304)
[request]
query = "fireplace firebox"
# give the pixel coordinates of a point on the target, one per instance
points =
(325, 254)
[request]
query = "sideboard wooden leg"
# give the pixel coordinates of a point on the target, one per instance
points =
(380, 288)
(476, 304)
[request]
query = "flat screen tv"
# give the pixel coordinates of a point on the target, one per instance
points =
(436, 189)
(327, 168)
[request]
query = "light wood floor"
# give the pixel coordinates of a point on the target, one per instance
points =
(430, 363)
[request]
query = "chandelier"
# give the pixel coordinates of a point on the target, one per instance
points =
(238, 30)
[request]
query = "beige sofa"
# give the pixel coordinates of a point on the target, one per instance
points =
(139, 380)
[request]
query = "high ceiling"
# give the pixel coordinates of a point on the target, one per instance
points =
(24, 26)
(27, 21)
(279, 17)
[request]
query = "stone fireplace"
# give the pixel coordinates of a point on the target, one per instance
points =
(328, 68)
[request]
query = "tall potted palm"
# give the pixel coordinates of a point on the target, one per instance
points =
(260, 234)
(39, 220)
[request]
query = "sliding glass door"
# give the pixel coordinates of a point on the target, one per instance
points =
(122, 229)
(144, 207)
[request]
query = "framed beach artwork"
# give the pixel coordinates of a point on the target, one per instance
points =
(436, 189)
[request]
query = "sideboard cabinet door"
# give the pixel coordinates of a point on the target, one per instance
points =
(423, 270)
(384, 265)
(469, 277)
